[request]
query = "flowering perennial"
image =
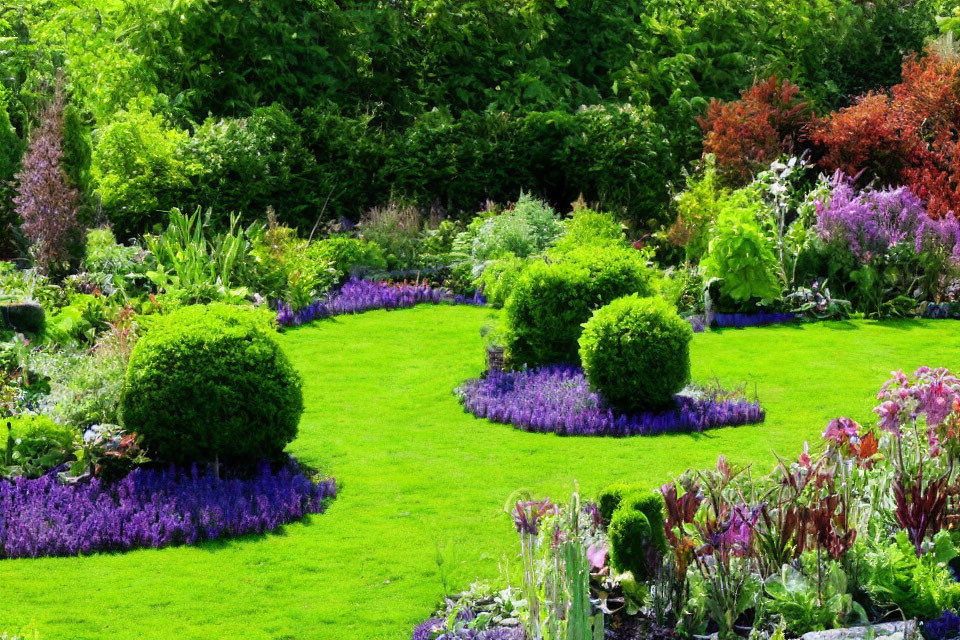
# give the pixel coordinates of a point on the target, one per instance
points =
(557, 398)
(874, 221)
(741, 320)
(149, 508)
(357, 296)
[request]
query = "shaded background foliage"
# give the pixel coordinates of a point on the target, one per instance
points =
(315, 106)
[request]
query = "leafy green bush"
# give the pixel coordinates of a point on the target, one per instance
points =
(33, 445)
(285, 267)
(85, 387)
(111, 266)
(138, 169)
(349, 255)
(245, 165)
(522, 231)
(740, 254)
(918, 587)
(396, 229)
(551, 301)
(500, 276)
(630, 543)
(211, 382)
(636, 353)
(589, 228)
(650, 504)
(611, 496)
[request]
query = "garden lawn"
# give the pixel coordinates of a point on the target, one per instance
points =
(423, 481)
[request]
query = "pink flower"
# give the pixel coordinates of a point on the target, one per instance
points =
(889, 412)
(840, 430)
(597, 555)
(805, 456)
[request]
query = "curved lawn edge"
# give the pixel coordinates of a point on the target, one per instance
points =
(358, 296)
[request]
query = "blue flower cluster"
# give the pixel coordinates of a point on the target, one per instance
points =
(357, 296)
(558, 399)
(150, 508)
(740, 320)
(945, 627)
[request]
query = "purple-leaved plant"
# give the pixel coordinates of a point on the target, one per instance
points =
(873, 221)
(150, 508)
(558, 399)
(357, 296)
(45, 200)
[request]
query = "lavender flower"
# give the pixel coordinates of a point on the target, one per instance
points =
(149, 508)
(741, 320)
(557, 398)
(357, 296)
(873, 221)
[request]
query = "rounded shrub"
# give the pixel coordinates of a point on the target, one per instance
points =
(636, 353)
(650, 504)
(349, 255)
(211, 382)
(610, 497)
(630, 542)
(551, 301)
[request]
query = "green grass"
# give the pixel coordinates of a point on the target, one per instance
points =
(420, 475)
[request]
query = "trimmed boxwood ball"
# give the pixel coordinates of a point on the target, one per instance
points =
(636, 353)
(611, 496)
(630, 543)
(551, 300)
(27, 317)
(211, 382)
(650, 504)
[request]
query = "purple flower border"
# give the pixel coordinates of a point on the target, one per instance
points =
(558, 399)
(357, 296)
(741, 320)
(150, 508)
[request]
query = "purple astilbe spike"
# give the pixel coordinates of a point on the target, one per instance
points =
(357, 296)
(558, 399)
(150, 508)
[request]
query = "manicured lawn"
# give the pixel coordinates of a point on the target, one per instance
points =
(423, 480)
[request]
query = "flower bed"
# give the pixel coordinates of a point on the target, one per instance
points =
(150, 508)
(854, 538)
(357, 296)
(741, 320)
(557, 398)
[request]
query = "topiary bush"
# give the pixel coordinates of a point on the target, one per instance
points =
(551, 301)
(636, 353)
(650, 504)
(611, 496)
(589, 228)
(211, 382)
(630, 543)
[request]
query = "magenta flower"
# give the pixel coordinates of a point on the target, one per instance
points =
(889, 412)
(597, 555)
(841, 430)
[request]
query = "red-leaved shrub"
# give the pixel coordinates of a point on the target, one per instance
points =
(911, 136)
(45, 200)
(750, 133)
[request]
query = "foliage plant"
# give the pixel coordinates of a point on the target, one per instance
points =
(746, 135)
(740, 255)
(210, 383)
(46, 200)
(636, 353)
(350, 256)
